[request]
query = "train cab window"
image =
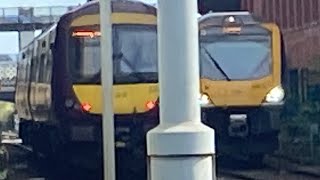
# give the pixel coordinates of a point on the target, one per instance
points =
(91, 54)
(134, 58)
(236, 57)
(142, 57)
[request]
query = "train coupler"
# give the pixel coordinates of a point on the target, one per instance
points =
(238, 126)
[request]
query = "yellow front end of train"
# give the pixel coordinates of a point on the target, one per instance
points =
(241, 80)
(131, 94)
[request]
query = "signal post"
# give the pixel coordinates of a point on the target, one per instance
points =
(180, 147)
(107, 84)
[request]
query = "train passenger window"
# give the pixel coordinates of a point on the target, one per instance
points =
(21, 68)
(42, 68)
(24, 63)
(42, 60)
(49, 67)
(34, 64)
(19, 71)
(28, 64)
(43, 44)
(50, 51)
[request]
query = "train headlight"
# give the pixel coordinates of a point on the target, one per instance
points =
(231, 19)
(204, 99)
(276, 95)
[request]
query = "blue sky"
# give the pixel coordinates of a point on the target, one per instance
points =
(11, 38)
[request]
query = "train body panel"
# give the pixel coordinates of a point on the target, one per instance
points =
(34, 81)
(21, 96)
(226, 94)
(116, 18)
(127, 99)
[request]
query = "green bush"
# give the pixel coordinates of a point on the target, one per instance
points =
(295, 130)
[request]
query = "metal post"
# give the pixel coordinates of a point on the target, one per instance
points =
(20, 41)
(107, 83)
(180, 147)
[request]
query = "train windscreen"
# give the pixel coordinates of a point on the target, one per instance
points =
(134, 55)
(235, 57)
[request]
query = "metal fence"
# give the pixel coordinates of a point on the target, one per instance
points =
(8, 72)
(305, 84)
(31, 15)
(300, 125)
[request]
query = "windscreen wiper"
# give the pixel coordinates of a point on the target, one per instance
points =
(216, 64)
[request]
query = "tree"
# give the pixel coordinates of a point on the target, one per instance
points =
(205, 6)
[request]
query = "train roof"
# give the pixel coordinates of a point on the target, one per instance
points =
(217, 18)
(40, 36)
(92, 7)
(155, 4)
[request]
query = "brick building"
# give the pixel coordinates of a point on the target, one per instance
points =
(299, 21)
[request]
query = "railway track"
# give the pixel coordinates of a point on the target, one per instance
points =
(282, 163)
(19, 161)
(274, 167)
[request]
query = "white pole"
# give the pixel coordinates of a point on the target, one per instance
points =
(181, 147)
(107, 83)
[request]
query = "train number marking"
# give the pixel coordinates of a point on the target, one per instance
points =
(153, 89)
(121, 94)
